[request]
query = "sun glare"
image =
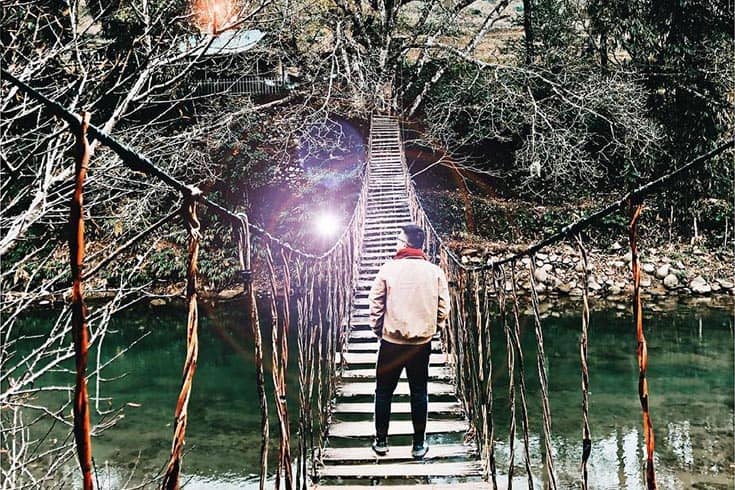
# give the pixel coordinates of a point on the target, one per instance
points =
(213, 16)
(327, 225)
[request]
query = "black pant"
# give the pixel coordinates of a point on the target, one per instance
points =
(392, 358)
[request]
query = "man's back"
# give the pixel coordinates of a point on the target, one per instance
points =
(410, 296)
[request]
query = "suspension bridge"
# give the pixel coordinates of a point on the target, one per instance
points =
(337, 351)
(347, 455)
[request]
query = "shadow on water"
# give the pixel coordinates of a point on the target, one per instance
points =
(690, 382)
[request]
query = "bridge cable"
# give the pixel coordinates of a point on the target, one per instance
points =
(583, 340)
(141, 163)
(173, 468)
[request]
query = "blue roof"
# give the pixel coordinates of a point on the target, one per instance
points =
(227, 42)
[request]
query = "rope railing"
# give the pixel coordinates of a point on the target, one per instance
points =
(319, 289)
(471, 325)
(324, 286)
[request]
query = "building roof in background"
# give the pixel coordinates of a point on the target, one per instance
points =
(227, 42)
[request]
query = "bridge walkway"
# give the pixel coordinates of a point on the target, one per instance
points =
(347, 459)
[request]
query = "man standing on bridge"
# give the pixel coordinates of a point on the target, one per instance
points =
(409, 299)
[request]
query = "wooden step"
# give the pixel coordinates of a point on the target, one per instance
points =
(367, 388)
(478, 485)
(435, 408)
(354, 358)
(373, 346)
(408, 469)
(435, 373)
(397, 428)
(382, 225)
(360, 454)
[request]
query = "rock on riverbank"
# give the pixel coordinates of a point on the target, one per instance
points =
(559, 270)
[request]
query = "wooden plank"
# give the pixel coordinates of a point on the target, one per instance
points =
(364, 388)
(363, 332)
(436, 373)
(396, 453)
(393, 216)
(435, 408)
(380, 223)
(363, 358)
(375, 256)
(388, 202)
(373, 346)
(478, 485)
(397, 428)
(408, 469)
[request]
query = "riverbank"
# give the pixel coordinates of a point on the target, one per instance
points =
(669, 274)
(677, 270)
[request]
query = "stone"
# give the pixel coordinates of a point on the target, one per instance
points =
(542, 256)
(699, 285)
(618, 264)
(553, 257)
(548, 268)
(526, 261)
(541, 275)
(540, 287)
(475, 259)
(662, 271)
(576, 292)
(465, 259)
(649, 268)
(671, 281)
(715, 287)
(628, 257)
(615, 290)
(157, 302)
(645, 281)
(679, 264)
(579, 267)
(565, 288)
(616, 246)
(593, 286)
(229, 293)
(726, 283)
(468, 251)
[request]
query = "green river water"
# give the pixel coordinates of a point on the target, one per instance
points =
(690, 383)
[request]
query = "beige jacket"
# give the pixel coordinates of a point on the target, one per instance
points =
(409, 299)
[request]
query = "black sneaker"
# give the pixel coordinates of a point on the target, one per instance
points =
(380, 446)
(419, 450)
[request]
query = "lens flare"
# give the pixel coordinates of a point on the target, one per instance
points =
(213, 16)
(327, 225)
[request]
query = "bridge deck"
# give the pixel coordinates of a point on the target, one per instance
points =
(347, 462)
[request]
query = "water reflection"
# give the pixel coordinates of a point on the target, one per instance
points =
(690, 378)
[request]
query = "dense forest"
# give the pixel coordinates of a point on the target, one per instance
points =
(559, 105)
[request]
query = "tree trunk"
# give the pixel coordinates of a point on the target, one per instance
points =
(528, 30)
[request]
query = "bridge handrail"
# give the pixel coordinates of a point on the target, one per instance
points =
(568, 230)
(139, 162)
